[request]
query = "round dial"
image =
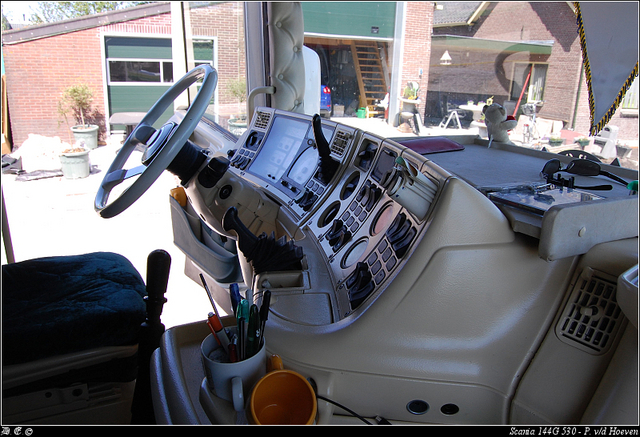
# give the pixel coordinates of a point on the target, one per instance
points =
(305, 165)
(354, 253)
(382, 220)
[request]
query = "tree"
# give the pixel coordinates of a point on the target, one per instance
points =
(5, 23)
(48, 12)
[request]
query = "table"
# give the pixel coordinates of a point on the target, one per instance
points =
(476, 109)
(129, 119)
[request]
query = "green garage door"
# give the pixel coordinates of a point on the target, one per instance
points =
(139, 71)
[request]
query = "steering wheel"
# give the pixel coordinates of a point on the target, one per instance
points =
(162, 145)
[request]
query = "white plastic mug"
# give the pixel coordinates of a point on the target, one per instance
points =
(232, 381)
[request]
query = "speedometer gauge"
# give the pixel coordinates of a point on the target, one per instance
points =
(305, 165)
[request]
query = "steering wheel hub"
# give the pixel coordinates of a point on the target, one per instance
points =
(156, 142)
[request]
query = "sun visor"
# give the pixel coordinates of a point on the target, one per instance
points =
(609, 39)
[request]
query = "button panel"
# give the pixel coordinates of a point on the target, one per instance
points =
(381, 261)
(242, 158)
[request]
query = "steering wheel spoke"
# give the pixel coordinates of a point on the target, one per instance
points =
(162, 146)
(140, 135)
(119, 176)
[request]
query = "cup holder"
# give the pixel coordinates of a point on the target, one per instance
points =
(350, 186)
(329, 214)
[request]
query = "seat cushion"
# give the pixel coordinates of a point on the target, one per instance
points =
(59, 305)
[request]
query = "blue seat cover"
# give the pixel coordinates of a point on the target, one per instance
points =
(65, 304)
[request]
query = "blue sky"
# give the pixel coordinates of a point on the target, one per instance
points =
(14, 10)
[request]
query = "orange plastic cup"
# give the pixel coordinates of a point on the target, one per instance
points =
(282, 397)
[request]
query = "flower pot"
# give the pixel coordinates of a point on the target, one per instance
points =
(583, 142)
(87, 134)
(237, 126)
(556, 141)
(75, 165)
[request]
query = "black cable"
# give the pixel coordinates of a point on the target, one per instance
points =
(353, 413)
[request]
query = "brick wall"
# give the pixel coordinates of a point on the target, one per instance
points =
(489, 73)
(38, 71)
(417, 45)
(226, 22)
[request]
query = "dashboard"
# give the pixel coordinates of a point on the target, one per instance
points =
(404, 261)
(356, 204)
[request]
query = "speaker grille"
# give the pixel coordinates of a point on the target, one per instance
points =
(340, 142)
(592, 316)
(262, 119)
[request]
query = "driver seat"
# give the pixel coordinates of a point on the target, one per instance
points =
(71, 330)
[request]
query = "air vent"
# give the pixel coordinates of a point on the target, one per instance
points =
(592, 317)
(340, 142)
(262, 119)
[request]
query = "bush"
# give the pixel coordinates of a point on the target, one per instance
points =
(76, 100)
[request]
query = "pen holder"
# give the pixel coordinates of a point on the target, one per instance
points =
(232, 381)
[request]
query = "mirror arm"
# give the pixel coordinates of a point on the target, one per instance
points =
(254, 92)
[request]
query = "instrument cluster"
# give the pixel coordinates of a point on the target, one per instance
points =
(365, 217)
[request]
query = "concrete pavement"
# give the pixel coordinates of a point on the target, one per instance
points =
(55, 216)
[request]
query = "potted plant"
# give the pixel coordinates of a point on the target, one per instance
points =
(555, 140)
(238, 122)
(76, 101)
(583, 141)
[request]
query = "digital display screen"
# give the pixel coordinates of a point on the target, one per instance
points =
(386, 161)
(282, 145)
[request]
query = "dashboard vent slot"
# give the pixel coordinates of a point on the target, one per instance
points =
(592, 316)
(340, 142)
(262, 119)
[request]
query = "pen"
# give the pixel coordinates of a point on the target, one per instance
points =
(264, 313)
(234, 294)
(213, 304)
(233, 349)
(213, 332)
(214, 323)
(253, 332)
(240, 348)
(243, 309)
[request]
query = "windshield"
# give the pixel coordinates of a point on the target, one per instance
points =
(394, 68)
(424, 68)
(397, 69)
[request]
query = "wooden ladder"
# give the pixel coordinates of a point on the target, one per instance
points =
(371, 78)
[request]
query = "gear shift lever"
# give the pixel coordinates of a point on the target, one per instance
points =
(328, 165)
(151, 330)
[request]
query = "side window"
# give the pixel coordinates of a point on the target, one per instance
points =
(127, 71)
(532, 78)
(215, 33)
